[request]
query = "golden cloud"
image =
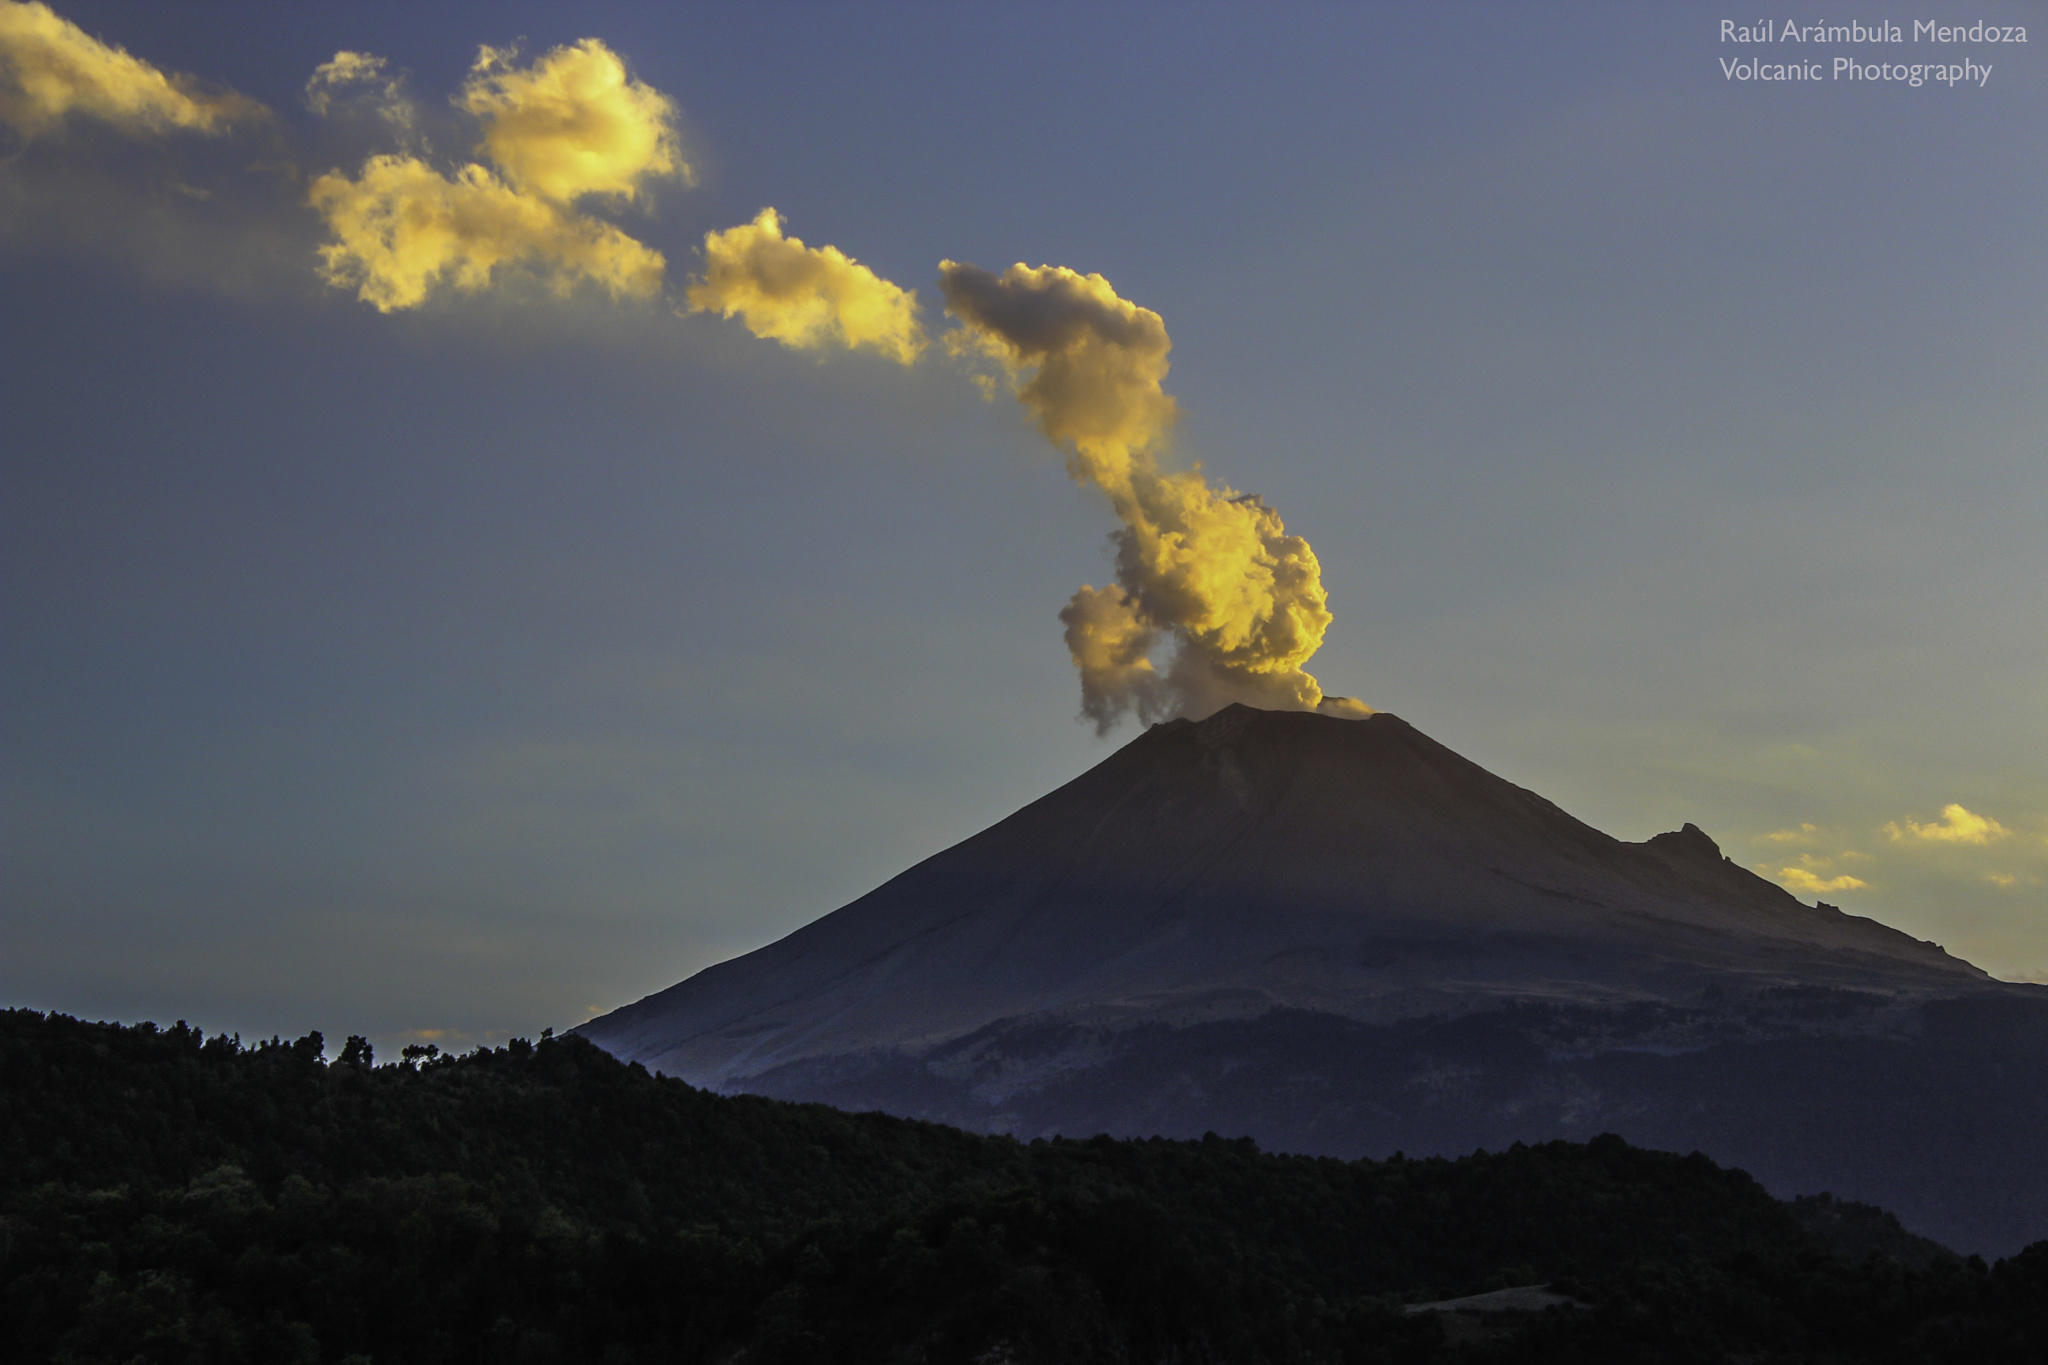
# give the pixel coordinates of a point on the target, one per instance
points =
(805, 297)
(1088, 364)
(1802, 880)
(343, 70)
(1956, 826)
(364, 76)
(1801, 833)
(51, 69)
(401, 228)
(571, 125)
(1204, 567)
(574, 123)
(1112, 645)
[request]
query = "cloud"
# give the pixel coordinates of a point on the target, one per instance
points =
(1112, 646)
(1806, 882)
(359, 78)
(1200, 567)
(52, 70)
(1213, 600)
(805, 297)
(570, 126)
(1956, 826)
(401, 228)
(103, 155)
(573, 124)
(1922, 856)
(1088, 364)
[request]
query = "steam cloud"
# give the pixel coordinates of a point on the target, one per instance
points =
(50, 69)
(1213, 601)
(807, 298)
(360, 77)
(573, 123)
(1206, 570)
(571, 126)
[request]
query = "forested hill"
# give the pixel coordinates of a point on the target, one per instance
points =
(167, 1197)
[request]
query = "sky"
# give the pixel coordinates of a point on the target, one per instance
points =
(506, 506)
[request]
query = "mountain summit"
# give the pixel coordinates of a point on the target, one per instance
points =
(1336, 935)
(1259, 860)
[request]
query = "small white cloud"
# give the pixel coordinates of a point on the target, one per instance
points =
(1957, 825)
(1800, 879)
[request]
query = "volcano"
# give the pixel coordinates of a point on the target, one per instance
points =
(1338, 936)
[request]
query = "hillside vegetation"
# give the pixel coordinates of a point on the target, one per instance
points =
(169, 1197)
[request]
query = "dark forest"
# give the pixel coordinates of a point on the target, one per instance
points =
(165, 1196)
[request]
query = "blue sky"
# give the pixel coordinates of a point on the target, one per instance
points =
(1671, 446)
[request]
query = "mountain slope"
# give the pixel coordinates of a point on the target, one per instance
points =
(1254, 860)
(1339, 937)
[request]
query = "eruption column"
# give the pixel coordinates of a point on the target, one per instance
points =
(1206, 569)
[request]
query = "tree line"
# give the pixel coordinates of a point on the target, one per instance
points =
(167, 1196)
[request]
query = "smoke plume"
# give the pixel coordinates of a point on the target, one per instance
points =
(807, 298)
(573, 123)
(1213, 600)
(1204, 571)
(401, 228)
(51, 69)
(571, 126)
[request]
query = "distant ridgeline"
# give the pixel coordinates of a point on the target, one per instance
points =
(166, 1197)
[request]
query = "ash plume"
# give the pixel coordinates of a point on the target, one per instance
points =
(807, 298)
(570, 127)
(51, 70)
(1213, 600)
(1206, 574)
